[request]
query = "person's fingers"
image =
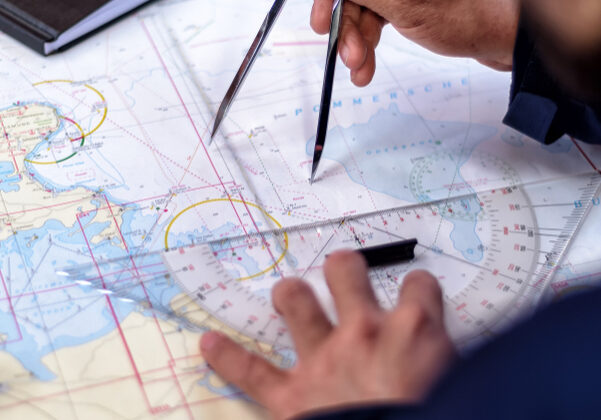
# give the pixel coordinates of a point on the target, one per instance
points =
(364, 74)
(304, 316)
(421, 288)
(346, 276)
(419, 311)
(403, 10)
(321, 16)
(352, 46)
(370, 26)
(252, 374)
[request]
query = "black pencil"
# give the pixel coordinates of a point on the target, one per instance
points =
(388, 254)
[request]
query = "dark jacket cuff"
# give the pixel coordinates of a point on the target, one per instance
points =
(539, 107)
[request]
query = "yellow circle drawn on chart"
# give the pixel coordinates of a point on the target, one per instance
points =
(232, 200)
(93, 89)
(82, 137)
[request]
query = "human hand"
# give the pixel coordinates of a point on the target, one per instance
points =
(372, 356)
(484, 30)
(359, 36)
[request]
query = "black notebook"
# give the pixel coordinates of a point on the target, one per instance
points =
(48, 25)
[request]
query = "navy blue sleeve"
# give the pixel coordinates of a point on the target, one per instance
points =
(547, 368)
(539, 107)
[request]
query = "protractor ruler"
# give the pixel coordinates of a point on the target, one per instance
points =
(493, 252)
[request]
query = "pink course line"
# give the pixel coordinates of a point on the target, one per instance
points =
(156, 321)
(181, 99)
(587, 157)
(156, 50)
(299, 43)
(12, 310)
(117, 323)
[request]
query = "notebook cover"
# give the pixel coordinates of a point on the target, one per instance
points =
(51, 17)
(36, 22)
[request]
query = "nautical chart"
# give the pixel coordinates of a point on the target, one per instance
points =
(104, 162)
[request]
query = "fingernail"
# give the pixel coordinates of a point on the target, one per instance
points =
(345, 52)
(209, 340)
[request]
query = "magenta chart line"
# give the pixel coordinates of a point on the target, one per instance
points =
(520, 258)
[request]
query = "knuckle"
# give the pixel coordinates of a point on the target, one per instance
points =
(346, 259)
(348, 27)
(446, 347)
(289, 291)
(413, 316)
(253, 371)
(415, 17)
(419, 275)
(366, 326)
(422, 279)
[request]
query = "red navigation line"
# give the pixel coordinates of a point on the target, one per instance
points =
(126, 270)
(131, 259)
(114, 123)
(219, 41)
(66, 203)
(267, 247)
(70, 286)
(171, 362)
(181, 99)
(588, 159)
(31, 399)
(37, 292)
(12, 310)
(117, 323)
(79, 200)
(107, 383)
(299, 43)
